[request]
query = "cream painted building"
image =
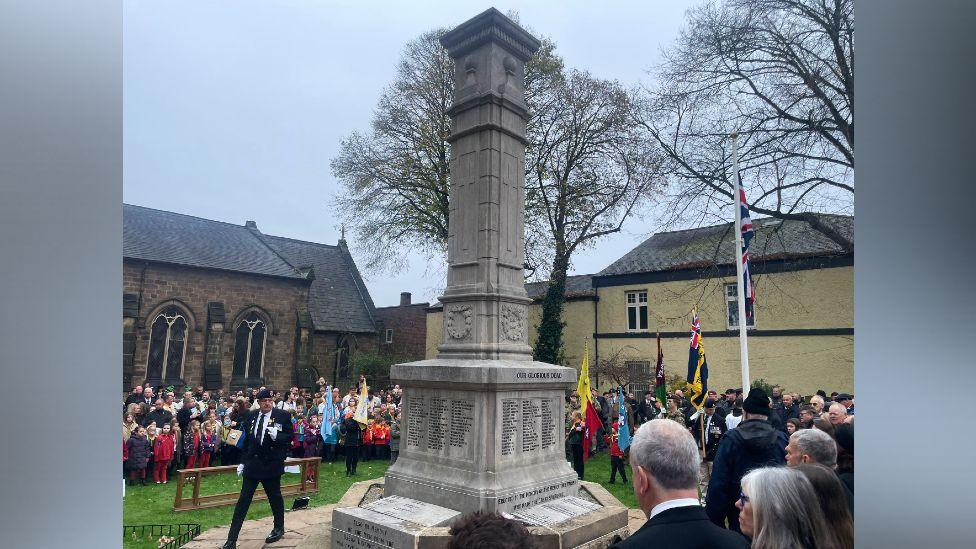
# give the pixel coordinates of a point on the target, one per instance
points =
(803, 337)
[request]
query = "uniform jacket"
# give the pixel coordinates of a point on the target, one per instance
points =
(353, 432)
(754, 443)
(164, 447)
(139, 451)
(713, 436)
(266, 459)
(682, 528)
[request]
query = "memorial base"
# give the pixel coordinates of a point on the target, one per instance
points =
(590, 520)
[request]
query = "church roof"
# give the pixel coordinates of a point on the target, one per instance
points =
(337, 298)
(706, 247)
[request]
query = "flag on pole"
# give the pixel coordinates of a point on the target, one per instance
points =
(328, 419)
(660, 383)
(747, 234)
(697, 366)
(623, 428)
(362, 409)
(591, 420)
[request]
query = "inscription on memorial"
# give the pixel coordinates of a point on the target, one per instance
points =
(524, 500)
(530, 430)
(510, 415)
(436, 424)
(462, 418)
(416, 413)
(548, 425)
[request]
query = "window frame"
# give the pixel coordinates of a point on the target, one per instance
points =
(244, 319)
(180, 313)
(637, 368)
(388, 336)
(636, 305)
(733, 300)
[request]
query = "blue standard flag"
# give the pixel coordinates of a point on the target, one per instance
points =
(697, 366)
(623, 428)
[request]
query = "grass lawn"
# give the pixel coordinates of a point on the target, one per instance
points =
(153, 503)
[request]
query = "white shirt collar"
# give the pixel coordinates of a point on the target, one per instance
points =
(671, 504)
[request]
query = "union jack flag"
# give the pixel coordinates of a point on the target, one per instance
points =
(747, 234)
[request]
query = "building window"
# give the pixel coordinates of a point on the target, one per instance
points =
(249, 341)
(389, 335)
(637, 311)
(640, 378)
(167, 345)
(341, 372)
(732, 309)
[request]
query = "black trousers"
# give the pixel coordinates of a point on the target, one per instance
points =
(352, 458)
(272, 487)
(577, 451)
(617, 464)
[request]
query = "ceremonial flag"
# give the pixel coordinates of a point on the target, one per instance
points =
(697, 366)
(660, 383)
(328, 419)
(591, 420)
(623, 428)
(362, 410)
(747, 234)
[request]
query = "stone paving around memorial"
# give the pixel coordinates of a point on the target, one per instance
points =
(310, 528)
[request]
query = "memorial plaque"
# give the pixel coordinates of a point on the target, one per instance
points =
(416, 420)
(390, 522)
(556, 511)
(530, 425)
(462, 419)
(548, 424)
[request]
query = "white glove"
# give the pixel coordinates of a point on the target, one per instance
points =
(273, 432)
(240, 469)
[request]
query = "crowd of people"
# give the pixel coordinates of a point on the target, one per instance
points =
(161, 433)
(779, 468)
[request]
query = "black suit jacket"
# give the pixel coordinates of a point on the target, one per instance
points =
(682, 528)
(266, 460)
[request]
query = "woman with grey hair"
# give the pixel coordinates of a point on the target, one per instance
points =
(778, 508)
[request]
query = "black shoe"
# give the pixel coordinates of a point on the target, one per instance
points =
(229, 545)
(275, 535)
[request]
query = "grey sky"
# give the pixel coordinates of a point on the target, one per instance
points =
(234, 109)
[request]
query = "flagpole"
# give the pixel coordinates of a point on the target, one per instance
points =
(740, 297)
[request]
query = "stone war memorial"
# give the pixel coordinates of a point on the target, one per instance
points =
(482, 424)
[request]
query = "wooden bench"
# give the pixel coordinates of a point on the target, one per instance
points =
(196, 501)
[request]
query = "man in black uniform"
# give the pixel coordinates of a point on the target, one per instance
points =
(268, 435)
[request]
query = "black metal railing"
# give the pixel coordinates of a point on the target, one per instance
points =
(180, 533)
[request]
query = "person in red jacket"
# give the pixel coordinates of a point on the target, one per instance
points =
(381, 438)
(192, 445)
(367, 452)
(163, 449)
(616, 456)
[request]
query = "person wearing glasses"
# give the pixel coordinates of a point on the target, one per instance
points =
(664, 462)
(778, 507)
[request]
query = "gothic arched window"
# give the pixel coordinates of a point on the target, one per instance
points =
(167, 345)
(249, 340)
(342, 360)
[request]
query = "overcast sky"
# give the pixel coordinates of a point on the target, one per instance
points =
(234, 109)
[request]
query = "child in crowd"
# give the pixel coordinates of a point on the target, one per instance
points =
(174, 427)
(208, 442)
(312, 438)
(616, 456)
(367, 450)
(139, 451)
(299, 426)
(192, 446)
(381, 439)
(151, 433)
(163, 450)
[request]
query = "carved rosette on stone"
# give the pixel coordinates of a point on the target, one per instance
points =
(512, 323)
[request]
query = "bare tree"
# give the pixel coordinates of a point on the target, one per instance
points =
(781, 74)
(586, 172)
(623, 367)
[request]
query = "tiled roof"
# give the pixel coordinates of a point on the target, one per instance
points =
(576, 286)
(156, 235)
(709, 246)
(338, 299)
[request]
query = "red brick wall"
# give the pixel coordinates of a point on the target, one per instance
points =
(409, 324)
(280, 298)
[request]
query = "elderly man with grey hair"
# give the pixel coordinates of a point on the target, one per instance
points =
(664, 462)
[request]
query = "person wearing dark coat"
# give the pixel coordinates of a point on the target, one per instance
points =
(754, 443)
(160, 415)
(715, 429)
(139, 451)
(664, 462)
(353, 433)
(267, 437)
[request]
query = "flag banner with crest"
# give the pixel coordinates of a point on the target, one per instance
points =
(623, 428)
(697, 366)
(591, 420)
(362, 409)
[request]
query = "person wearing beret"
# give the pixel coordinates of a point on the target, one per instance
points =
(267, 438)
(753, 443)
